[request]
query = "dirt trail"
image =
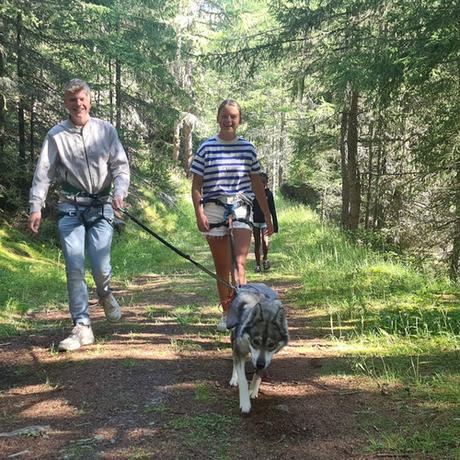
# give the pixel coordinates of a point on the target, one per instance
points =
(156, 386)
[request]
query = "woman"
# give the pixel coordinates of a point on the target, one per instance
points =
(226, 177)
(260, 237)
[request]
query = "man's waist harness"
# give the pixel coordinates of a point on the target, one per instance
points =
(230, 211)
(84, 214)
(71, 190)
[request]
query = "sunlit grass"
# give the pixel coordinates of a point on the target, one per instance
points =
(31, 274)
(389, 321)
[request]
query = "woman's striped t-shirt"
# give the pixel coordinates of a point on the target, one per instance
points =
(226, 167)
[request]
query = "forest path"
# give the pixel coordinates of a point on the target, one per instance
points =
(156, 386)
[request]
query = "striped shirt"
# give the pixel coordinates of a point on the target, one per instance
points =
(226, 167)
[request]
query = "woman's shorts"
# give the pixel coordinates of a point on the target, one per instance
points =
(215, 214)
(260, 225)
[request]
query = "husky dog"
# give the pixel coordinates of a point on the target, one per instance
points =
(258, 327)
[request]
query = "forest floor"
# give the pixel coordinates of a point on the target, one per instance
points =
(156, 386)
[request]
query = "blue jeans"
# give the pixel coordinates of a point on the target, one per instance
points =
(76, 240)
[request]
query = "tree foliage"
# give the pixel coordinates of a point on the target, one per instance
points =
(358, 98)
(403, 58)
(123, 49)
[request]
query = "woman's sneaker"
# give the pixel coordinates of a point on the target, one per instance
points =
(112, 308)
(266, 264)
(80, 335)
(258, 270)
(222, 324)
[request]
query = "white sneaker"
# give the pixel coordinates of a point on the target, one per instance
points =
(112, 308)
(80, 335)
(222, 324)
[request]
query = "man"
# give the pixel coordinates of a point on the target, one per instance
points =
(84, 156)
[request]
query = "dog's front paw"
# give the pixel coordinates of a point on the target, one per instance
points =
(234, 381)
(245, 407)
(255, 385)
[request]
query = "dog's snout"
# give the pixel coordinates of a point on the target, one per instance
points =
(260, 363)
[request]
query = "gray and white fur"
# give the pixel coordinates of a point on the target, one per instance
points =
(258, 327)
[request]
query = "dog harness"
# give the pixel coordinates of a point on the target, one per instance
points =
(230, 211)
(259, 288)
(83, 214)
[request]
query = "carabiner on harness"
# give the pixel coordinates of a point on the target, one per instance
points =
(84, 215)
(230, 209)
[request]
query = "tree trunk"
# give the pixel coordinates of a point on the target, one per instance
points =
(176, 141)
(344, 169)
(32, 133)
(2, 105)
(20, 73)
(370, 163)
(111, 90)
(353, 168)
(380, 167)
(118, 94)
(190, 121)
(274, 167)
(455, 254)
(278, 179)
(351, 188)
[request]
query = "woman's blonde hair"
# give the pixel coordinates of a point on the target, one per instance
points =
(232, 103)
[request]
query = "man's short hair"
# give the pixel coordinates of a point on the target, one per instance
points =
(75, 85)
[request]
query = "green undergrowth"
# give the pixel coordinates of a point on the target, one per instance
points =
(138, 252)
(31, 278)
(395, 325)
(32, 275)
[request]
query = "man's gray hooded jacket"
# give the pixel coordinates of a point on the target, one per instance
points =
(87, 158)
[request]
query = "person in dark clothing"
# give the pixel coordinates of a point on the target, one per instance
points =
(259, 229)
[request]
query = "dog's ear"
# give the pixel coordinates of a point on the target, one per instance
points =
(256, 314)
(234, 313)
(281, 321)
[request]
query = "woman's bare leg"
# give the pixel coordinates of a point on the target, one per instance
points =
(242, 242)
(256, 232)
(264, 244)
(220, 250)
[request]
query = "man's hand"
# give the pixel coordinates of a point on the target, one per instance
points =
(117, 202)
(35, 219)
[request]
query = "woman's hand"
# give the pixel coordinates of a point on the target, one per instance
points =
(269, 230)
(202, 221)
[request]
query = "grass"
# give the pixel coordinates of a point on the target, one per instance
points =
(395, 326)
(205, 429)
(204, 393)
(184, 345)
(31, 278)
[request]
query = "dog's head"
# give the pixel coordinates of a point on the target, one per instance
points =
(262, 322)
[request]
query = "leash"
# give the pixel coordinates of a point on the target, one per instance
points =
(235, 281)
(178, 251)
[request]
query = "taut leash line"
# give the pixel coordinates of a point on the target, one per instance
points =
(176, 250)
